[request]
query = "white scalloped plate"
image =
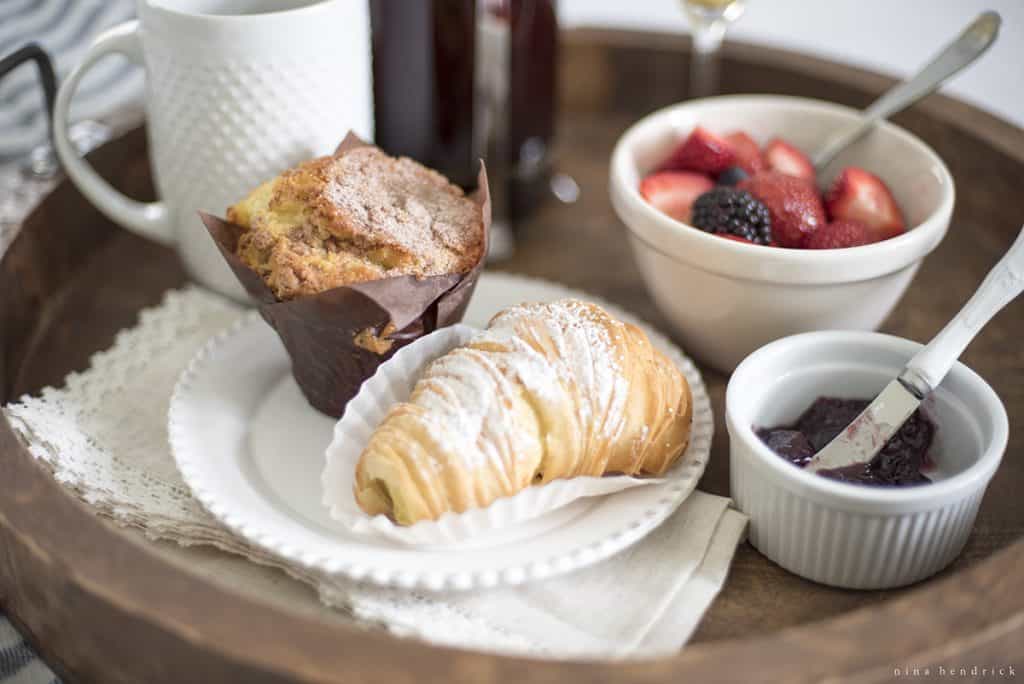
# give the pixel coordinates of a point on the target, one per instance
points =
(252, 451)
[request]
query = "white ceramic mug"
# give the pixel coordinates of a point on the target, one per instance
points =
(236, 92)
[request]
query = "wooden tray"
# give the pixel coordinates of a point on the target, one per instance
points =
(104, 605)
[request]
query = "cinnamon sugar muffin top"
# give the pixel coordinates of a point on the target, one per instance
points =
(361, 216)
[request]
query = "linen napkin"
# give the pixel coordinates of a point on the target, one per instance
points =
(104, 436)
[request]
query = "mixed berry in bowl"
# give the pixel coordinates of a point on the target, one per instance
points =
(729, 186)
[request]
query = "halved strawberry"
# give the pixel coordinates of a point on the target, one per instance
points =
(793, 203)
(701, 151)
(674, 192)
(858, 195)
(748, 154)
(839, 234)
(785, 158)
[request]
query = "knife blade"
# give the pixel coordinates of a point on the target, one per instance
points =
(869, 431)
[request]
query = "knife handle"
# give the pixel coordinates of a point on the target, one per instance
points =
(1002, 284)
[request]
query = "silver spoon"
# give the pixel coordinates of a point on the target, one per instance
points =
(868, 433)
(969, 45)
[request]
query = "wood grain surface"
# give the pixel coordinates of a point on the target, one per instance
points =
(107, 609)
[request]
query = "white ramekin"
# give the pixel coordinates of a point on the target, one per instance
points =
(725, 299)
(849, 535)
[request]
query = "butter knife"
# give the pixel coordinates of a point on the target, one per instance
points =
(868, 433)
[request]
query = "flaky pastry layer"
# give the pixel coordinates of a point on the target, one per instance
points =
(548, 391)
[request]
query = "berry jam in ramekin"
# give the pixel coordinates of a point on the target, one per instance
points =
(898, 464)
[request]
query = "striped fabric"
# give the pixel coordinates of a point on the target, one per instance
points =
(64, 28)
(18, 662)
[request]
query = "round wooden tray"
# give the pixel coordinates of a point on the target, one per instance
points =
(104, 606)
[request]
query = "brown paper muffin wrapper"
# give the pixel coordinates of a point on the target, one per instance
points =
(336, 339)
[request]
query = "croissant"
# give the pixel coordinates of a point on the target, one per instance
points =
(548, 391)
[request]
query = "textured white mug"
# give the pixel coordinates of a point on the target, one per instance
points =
(237, 91)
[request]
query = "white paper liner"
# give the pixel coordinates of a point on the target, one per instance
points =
(393, 383)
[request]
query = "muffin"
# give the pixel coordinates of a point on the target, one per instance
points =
(352, 256)
(361, 216)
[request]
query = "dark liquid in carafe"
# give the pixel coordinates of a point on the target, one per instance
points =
(423, 57)
(424, 60)
(531, 111)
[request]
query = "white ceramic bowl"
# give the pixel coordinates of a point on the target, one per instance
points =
(843, 534)
(725, 299)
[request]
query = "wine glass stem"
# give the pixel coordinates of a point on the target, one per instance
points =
(707, 40)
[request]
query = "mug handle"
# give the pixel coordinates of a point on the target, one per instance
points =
(150, 219)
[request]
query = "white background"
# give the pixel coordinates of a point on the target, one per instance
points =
(892, 36)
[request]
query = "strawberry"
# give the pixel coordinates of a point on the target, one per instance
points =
(793, 203)
(785, 158)
(839, 234)
(673, 192)
(748, 154)
(701, 151)
(858, 195)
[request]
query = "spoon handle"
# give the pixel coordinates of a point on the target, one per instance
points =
(1002, 284)
(967, 47)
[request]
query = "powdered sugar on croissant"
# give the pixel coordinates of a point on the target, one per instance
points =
(548, 391)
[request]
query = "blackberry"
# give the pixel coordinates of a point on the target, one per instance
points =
(732, 176)
(734, 212)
